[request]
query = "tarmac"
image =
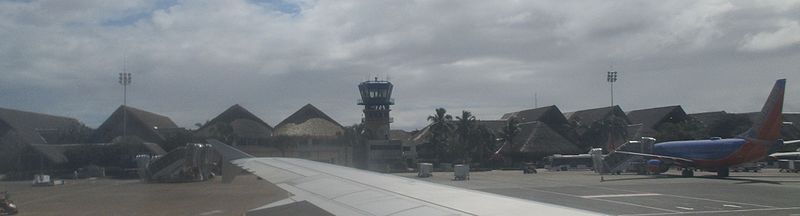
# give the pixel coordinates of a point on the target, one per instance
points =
(765, 193)
(768, 192)
(133, 197)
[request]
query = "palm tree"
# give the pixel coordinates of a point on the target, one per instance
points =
(484, 143)
(440, 128)
(466, 126)
(509, 132)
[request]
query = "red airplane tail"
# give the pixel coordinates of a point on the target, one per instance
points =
(767, 125)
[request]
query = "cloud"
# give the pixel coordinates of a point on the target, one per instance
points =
(192, 59)
(787, 34)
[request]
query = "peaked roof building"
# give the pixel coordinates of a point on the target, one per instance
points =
(493, 125)
(549, 115)
(709, 118)
(536, 140)
(243, 124)
(140, 123)
(651, 119)
(309, 121)
(589, 116)
(425, 134)
(397, 134)
(24, 133)
(35, 128)
(542, 131)
(604, 127)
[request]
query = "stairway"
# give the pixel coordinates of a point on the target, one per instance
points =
(189, 163)
(618, 163)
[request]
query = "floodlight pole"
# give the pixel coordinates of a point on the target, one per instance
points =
(125, 80)
(612, 77)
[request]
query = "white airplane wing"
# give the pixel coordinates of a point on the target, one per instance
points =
(348, 191)
(785, 155)
(788, 155)
(675, 160)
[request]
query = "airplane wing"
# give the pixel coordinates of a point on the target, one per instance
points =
(794, 143)
(683, 162)
(788, 155)
(785, 155)
(348, 191)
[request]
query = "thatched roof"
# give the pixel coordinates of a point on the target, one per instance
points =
(53, 153)
(149, 119)
(653, 118)
(30, 126)
(531, 114)
(752, 116)
(243, 122)
(708, 118)
(538, 139)
(309, 121)
(635, 131)
(400, 135)
(493, 125)
(140, 123)
(549, 115)
(590, 116)
(582, 119)
(424, 135)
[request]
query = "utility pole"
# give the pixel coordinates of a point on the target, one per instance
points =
(612, 77)
(125, 80)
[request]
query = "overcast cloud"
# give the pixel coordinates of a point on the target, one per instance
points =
(191, 60)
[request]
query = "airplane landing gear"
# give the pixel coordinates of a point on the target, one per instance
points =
(687, 172)
(723, 172)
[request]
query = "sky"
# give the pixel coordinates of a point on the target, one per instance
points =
(191, 60)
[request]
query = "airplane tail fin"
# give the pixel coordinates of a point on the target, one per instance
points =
(767, 125)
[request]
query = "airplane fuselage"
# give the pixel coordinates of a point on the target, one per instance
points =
(716, 153)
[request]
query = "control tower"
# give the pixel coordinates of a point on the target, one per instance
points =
(380, 153)
(376, 96)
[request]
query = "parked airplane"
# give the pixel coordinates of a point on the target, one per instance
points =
(717, 154)
(795, 155)
(342, 190)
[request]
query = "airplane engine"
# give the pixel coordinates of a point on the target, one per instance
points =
(656, 166)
